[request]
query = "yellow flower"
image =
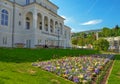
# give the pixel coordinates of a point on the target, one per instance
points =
(58, 67)
(84, 81)
(80, 76)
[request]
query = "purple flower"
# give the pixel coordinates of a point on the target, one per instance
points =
(67, 72)
(48, 68)
(84, 69)
(96, 70)
(75, 79)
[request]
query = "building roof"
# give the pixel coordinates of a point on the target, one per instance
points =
(67, 27)
(38, 4)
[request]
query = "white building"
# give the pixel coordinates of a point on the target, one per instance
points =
(114, 43)
(32, 23)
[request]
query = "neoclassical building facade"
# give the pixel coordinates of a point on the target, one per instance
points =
(32, 23)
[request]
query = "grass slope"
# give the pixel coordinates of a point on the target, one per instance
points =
(15, 65)
(115, 74)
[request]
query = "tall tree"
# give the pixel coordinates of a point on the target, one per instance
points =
(106, 32)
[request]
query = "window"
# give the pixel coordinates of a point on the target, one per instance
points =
(39, 41)
(19, 14)
(51, 28)
(40, 27)
(27, 23)
(46, 27)
(4, 40)
(65, 34)
(19, 23)
(4, 17)
(27, 2)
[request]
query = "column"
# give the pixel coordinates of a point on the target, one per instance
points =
(63, 29)
(35, 27)
(48, 24)
(43, 23)
(53, 26)
(35, 20)
(24, 21)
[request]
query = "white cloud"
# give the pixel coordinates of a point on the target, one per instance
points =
(92, 22)
(68, 19)
(73, 30)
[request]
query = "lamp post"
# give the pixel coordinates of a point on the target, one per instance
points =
(13, 25)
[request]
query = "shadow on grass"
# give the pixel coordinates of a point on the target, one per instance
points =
(117, 57)
(32, 55)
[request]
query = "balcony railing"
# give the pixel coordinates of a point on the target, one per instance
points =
(51, 34)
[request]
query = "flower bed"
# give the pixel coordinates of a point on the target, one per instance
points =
(83, 69)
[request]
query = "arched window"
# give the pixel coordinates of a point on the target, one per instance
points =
(51, 26)
(61, 28)
(46, 23)
(39, 21)
(27, 23)
(29, 20)
(4, 17)
(56, 27)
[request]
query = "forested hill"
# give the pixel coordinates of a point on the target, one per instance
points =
(104, 32)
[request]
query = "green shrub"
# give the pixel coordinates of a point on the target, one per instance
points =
(101, 44)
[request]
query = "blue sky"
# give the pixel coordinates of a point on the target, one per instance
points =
(82, 15)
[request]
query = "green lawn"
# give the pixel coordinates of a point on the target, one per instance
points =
(115, 74)
(15, 65)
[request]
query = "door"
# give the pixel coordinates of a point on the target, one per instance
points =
(28, 43)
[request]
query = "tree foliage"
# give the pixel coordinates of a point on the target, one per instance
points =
(101, 44)
(74, 41)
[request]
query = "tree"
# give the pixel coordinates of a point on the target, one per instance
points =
(116, 30)
(116, 27)
(75, 41)
(101, 44)
(80, 42)
(106, 32)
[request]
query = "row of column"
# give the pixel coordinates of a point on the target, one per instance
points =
(56, 26)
